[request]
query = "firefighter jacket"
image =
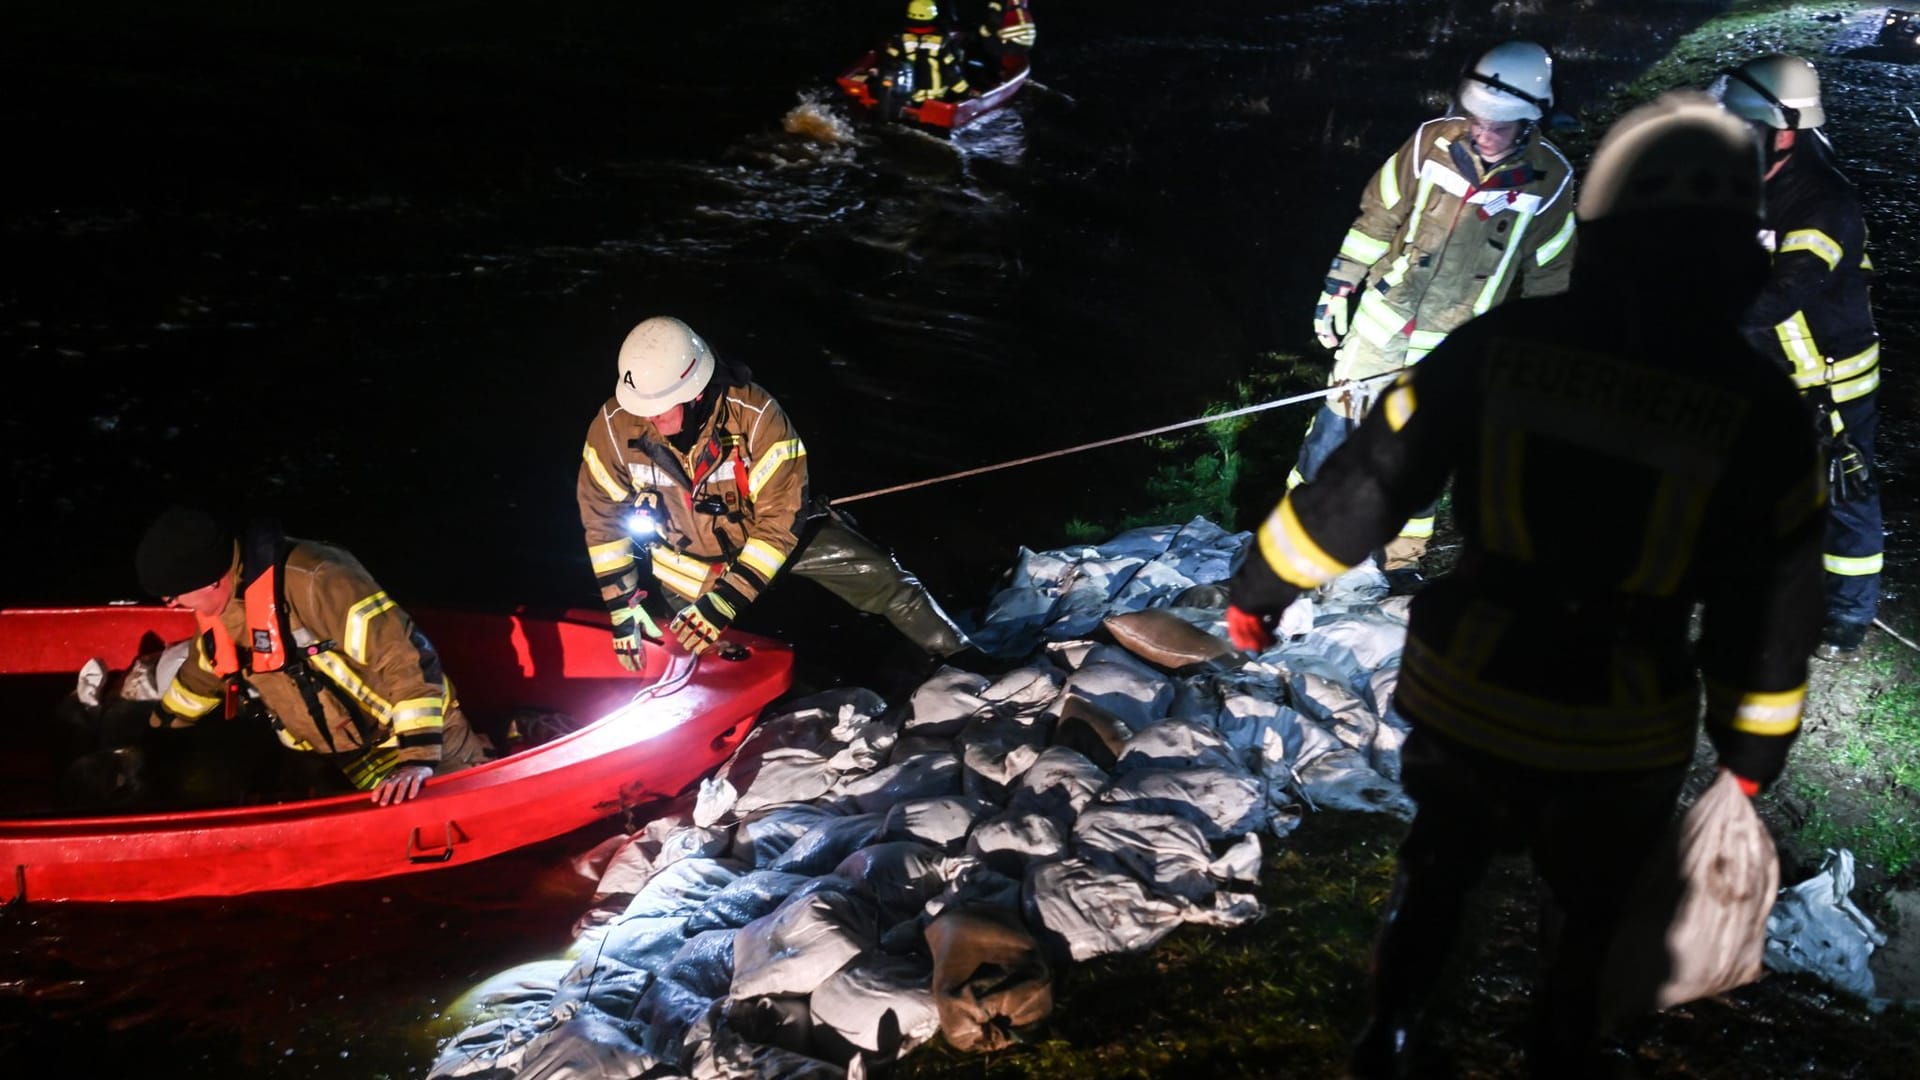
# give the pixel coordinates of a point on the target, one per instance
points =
(374, 683)
(1440, 240)
(1561, 639)
(936, 63)
(1007, 29)
(726, 514)
(1814, 315)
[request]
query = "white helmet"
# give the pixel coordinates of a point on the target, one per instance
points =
(1681, 152)
(663, 363)
(1513, 81)
(1777, 90)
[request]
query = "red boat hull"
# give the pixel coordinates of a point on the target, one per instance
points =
(631, 754)
(947, 116)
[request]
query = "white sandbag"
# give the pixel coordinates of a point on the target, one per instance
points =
(728, 1054)
(1167, 853)
(1129, 692)
(505, 993)
(633, 858)
(1061, 782)
(928, 776)
(1815, 927)
(1025, 834)
(899, 875)
(1339, 710)
(1174, 744)
(942, 822)
(1223, 802)
(588, 1046)
(1363, 587)
(996, 750)
(767, 835)
(820, 849)
(1696, 923)
(688, 987)
(744, 899)
(790, 757)
(798, 946)
(853, 1001)
(1373, 639)
(607, 983)
(647, 942)
(682, 887)
(716, 800)
(944, 703)
(1097, 911)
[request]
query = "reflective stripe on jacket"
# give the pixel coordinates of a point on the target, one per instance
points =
(748, 463)
(1439, 241)
(1815, 315)
(936, 68)
(377, 659)
(1561, 640)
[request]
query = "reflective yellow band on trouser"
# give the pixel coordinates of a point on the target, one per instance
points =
(686, 575)
(610, 558)
(1293, 555)
(1854, 565)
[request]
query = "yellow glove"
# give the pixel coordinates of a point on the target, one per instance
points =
(630, 623)
(700, 623)
(1330, 314)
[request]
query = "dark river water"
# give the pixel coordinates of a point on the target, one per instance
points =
(366, 267)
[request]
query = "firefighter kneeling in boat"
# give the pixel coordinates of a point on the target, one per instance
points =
(699, 468)
(922, 63)
(1550, 680)
(338, 666)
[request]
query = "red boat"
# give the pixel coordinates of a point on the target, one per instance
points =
(642, 737)
(948, 116)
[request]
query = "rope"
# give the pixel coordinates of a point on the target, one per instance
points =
(1897, 636)
(1216, 418)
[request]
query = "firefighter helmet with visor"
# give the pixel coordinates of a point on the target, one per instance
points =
(1777, 90)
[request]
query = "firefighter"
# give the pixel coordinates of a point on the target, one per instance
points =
(694, 467)
(1814, 318)
(1549, 679)
(927, 55)
(337, 666)
(1007, 29)
(1471, 210)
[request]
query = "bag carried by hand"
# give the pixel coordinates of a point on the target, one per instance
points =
(1696, 923)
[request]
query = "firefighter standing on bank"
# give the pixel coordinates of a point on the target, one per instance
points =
(1470, 210)
(1815, 318)
(698, 468)
(338, 666)
(1549, 679)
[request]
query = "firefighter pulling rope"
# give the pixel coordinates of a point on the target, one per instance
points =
(1314, 395)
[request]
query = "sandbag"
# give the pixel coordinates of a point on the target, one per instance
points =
(1168, 641)
(1696, 923)
(989, 977)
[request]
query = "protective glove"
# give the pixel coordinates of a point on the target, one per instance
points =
(401, 784)
(700, 623)
(630, 623)
(1330, 314)
(1248, 631)
(1849, 472)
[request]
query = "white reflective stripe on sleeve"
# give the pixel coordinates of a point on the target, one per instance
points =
(418, 714)
(1770, 714)
(775, 456)
(762, 558)
(610, 557)
(354, 638)
(186, 704)
(1816, 242)
(1293, 555)
(1555, 244)
(1390, 182)
(1362, 248)
(613, 488)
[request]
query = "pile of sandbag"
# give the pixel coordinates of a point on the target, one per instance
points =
(861, 877)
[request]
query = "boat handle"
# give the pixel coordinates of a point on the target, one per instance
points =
(418, 854)
(729, 737)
